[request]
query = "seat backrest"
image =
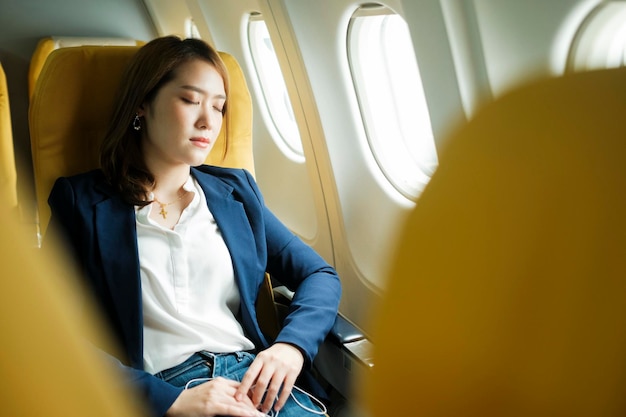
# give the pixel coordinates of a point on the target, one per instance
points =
(48, 44)
(507, 292)
(70, 110)
(8, 173)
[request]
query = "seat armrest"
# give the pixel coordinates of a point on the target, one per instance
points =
(344, 332)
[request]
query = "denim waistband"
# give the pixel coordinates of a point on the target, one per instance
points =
(202, 357)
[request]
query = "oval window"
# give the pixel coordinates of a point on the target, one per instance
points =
(391, 98)
(273, 86)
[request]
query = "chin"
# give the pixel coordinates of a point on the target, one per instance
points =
(198, 160)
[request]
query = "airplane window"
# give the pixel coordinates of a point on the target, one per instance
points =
(601, 39)
(273, 86)
(391, 98)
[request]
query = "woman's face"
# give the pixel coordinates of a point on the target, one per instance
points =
(181, 124)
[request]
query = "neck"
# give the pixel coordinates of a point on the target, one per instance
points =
(168, 185)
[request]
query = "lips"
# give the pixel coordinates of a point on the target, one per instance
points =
(201, 142)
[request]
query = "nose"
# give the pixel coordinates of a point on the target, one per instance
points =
(207, 119)
(204, 119)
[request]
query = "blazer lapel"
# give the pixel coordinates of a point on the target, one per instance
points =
(234, 225)
(117, 237)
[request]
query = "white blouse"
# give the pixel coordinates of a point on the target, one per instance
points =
(190, 298)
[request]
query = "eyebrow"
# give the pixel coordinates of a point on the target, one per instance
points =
(201, 91)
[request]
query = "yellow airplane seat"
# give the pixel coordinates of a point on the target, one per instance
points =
(8, 172)
(507, 295)
(47, 365)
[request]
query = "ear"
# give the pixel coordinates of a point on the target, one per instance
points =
(141, 111)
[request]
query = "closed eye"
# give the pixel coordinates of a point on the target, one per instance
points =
(189, 101)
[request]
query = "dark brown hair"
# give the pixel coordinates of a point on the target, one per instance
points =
(154, 64)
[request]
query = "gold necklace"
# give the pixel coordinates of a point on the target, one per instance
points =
(163, 212)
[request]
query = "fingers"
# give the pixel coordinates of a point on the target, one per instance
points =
(288, 384)
(248, 380)
(230, 406)
(271, 377)
(269, 385)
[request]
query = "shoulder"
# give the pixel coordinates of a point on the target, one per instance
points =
(236, 178)
(237, 182)
(93, 177)
(226, 174)
(87, 186)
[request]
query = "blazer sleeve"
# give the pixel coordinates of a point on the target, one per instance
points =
(317, 287)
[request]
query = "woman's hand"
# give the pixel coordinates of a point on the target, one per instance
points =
(213, 398)
(274, 369)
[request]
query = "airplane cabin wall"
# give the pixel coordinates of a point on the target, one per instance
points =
(364, 211)
(525, 40)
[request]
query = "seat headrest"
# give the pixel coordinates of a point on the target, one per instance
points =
(71, 107)
(46, 45)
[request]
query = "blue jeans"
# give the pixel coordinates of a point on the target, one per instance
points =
(203, 365)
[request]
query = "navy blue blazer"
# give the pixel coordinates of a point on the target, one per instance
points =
(100, 230)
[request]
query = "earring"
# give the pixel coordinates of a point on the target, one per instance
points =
(137, 122)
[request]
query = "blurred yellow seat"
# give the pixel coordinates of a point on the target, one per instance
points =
(47, 365)
(8, 173)
(507, 296)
